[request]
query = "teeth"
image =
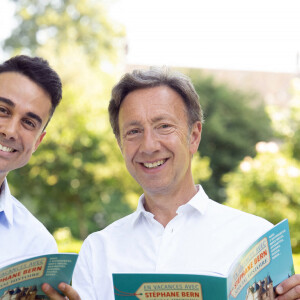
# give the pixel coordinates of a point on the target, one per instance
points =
(155, 164)
(6, 149)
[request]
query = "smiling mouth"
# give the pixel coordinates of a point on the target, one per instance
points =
(6, 149)
(154, 164)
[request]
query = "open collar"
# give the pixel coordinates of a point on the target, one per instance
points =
(199, 203)
(6, 204)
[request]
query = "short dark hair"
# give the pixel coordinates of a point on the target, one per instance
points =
(152, 77)
(39, 71)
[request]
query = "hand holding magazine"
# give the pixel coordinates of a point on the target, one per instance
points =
(22, 280)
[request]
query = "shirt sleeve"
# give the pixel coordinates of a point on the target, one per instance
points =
(92, 278)
(82, 280)
(50, 246)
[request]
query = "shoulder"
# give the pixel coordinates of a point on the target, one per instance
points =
(20, 212)
(229, 212)
(237, 220)
(112, 233)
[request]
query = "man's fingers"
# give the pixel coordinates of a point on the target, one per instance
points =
(292, 294)
(68, 291)
(289, 288)
(51, 292)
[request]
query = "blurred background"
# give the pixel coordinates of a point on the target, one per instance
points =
(243, 58)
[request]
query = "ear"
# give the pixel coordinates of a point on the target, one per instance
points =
(39, 140)
(195, 137)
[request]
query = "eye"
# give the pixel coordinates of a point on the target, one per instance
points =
(165, 128)
(29, 124)
(133, 132)
(4, 110)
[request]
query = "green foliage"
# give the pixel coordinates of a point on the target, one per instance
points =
(76, 22)
(76, 177)
(65, 241)
(296, 258)
(268, 186)
(234, 122)
(286, 121)
(200, 168)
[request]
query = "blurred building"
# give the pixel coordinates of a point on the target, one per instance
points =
(274, 88)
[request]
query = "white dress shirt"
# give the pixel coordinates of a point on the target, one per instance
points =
(21, 234)
(204, 237)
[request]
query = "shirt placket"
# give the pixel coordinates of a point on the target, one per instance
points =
(165, 238)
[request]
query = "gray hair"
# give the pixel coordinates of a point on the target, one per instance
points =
(153, 77)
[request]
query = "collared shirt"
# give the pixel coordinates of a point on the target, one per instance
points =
(21, 234)
(205, 237)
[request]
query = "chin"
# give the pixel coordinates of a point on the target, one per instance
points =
(156, 189)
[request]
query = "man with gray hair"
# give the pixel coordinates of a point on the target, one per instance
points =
(157, 120)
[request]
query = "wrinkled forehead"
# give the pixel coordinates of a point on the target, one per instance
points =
(152, 104)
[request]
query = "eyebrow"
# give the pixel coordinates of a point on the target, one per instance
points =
(34, 116)
(154, 120)
(7, 101)
(132, 123)
(29, 114)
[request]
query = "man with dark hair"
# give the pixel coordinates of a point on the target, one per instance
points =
(157, 121)
(30, 90)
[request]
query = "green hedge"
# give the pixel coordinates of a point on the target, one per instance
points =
(296, 258)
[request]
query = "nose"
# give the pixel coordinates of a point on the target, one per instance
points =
(8, 129)
(150, 142)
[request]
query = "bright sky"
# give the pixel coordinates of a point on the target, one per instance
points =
(259, 35)
(231, 34)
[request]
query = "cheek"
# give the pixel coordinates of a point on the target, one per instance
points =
(181, 137)
(31, 143)
(127, 153)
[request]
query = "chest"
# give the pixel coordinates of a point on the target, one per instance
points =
(175, 249)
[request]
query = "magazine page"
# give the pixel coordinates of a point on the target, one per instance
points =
(169, 287)
(265, 264)
(23, 279)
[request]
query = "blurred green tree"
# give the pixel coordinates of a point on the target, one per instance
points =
(269, 184)
(76, 178)
(286, 121)
(235, 121)
(75, 22)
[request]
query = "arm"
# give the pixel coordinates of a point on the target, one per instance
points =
(289, 289)
(70, 293)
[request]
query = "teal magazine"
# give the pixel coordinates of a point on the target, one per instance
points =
(23, 279)
(255, 274)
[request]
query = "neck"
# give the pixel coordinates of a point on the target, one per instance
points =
(2, 178)
(164, 207)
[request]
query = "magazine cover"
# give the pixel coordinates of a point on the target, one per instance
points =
(169, 287)
(254, 275)
(23, 280)
(263, 266)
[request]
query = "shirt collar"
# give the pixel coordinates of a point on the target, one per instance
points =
(199, 203)
(6, 205)
(140, 211)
